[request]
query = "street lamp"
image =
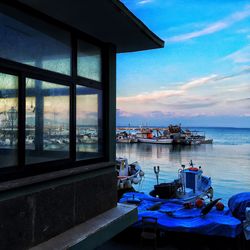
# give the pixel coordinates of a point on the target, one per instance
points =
(12, 115)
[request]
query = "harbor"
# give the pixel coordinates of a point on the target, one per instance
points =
(220, 160)
(172, 134)
(227, 181)
(109, 140)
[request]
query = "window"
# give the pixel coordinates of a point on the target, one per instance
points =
(88, 122)
(51, 114)
(33, 42)
(8, 119)
(89, 61)
(47, 121)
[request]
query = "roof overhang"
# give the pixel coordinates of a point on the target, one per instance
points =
(107, 20)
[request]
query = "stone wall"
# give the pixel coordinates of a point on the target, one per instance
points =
(32, 214)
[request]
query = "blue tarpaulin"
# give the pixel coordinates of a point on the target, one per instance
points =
(173, 216)
(238, 204)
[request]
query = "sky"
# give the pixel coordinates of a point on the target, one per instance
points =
(202, 75)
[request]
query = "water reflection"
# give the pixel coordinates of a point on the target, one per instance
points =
(228, 165)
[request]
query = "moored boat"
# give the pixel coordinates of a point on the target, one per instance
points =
(124, 137)
(127, 174)
(190, 185)
(147, 136)
(178, 206)
(209, 219)
(156, 140)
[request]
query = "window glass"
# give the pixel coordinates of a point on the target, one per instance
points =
(47, 121)
(33, 42)
(88, 123)
(8, 119)
(89, 61)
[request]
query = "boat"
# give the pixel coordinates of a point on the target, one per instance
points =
(124, 137)
(156, 140)
(178, 135)
(210, 219)
(146, 136)
(198, 138)
(187, 137)
(127, 174)
(178, 206)
(190, 185)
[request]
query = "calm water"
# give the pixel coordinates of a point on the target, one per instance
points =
(226, 161)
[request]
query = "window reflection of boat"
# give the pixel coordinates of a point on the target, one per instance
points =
(5, 142)
(29, 139)
(87, 139)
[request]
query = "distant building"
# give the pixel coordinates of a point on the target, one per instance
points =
(57, 120)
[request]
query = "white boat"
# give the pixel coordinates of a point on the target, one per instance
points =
(124, 137)
(127, 174)
(146, 136)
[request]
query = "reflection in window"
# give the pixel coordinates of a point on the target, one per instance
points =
(47, 121)
(8, 119)
(89, 61)
(33, 42)
(88, 123)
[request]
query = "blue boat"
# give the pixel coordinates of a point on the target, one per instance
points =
(175, 217)
(172, 213)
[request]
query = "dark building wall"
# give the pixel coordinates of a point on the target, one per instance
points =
(33, 214)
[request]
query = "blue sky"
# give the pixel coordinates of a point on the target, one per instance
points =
(200, 78)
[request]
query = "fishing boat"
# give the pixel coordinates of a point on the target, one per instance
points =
(187, 137)
(187, 205)
(190, 185)
(146, 136)
(127, 174)
(212, 218)
(124, 137)
(156, 140)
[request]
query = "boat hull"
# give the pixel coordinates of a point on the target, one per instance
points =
(173, 216)
(155, 141)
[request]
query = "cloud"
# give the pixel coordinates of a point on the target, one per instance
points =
(145, 97)
(142, 2)
(243, 31)
(240, 56)
(122, 113)
(180, 90)
(213, 27)
(244, 71)
(187, 99)
(243, 100)
(198, 82)
(194, 104)
(240, 88)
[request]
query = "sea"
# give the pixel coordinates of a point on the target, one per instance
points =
(226, 161)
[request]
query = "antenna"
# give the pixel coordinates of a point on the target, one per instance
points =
(157, 171)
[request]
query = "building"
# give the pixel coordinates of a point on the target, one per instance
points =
(57, 120)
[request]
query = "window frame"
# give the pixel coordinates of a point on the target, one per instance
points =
(23, 71)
